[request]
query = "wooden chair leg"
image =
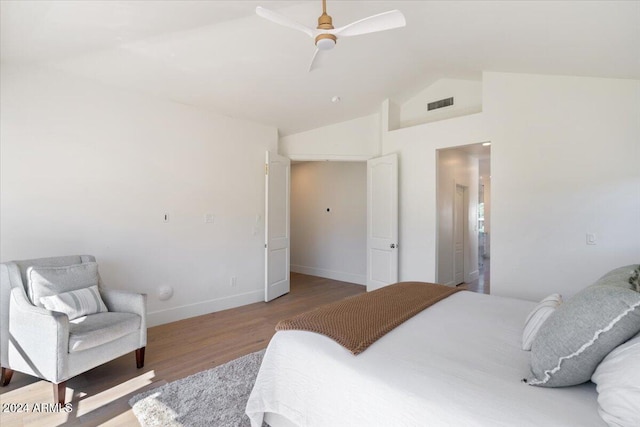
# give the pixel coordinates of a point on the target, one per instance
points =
(140, 357)
(59, 391)
(6, 376)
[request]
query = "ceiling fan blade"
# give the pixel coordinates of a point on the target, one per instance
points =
(318, 59)
(283, 20)
(380, 22)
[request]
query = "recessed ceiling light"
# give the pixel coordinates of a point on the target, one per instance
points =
(486, 144)
(336, 99)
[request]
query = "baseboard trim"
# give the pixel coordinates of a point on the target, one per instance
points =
(330, 274)
(160, 317)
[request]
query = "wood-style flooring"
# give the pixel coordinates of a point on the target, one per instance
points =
(174, 350)
(482, 284)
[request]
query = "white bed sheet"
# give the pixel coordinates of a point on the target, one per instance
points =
(457, 363)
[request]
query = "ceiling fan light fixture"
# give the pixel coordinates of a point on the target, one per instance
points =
(325, 41)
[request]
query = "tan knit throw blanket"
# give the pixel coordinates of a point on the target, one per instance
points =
(357, 322)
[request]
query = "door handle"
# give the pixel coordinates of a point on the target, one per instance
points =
(393, 246)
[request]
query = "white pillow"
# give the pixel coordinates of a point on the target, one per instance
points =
(537, 317)
(618, 384)
(78, 303)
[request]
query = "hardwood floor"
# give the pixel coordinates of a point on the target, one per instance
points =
(175, 350)
(483, 283)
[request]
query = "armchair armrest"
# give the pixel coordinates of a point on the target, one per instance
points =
(125, 302)
(38, 339)
(128, 302)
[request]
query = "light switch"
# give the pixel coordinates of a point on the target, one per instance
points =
(591, 239)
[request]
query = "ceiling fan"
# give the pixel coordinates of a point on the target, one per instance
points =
(326, 36)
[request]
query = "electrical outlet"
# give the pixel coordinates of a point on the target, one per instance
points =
(209, 218)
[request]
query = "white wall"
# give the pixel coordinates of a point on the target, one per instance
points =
(565, 161)
(467, 99)
(416, 147)
(357, 139)
(456, 167)
(329, 244)
(91, 169)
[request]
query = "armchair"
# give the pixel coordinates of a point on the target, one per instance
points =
(46, 343)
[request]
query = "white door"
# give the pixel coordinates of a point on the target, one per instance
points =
(276, 263)
(382, 221)
(458, 236)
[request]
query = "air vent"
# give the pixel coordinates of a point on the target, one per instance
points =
(439, 104)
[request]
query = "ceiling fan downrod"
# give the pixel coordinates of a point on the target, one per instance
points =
(325, 41)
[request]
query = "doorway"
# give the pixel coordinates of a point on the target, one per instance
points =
(462, 204)
(484, 226)
(329, 219)
(344, 220)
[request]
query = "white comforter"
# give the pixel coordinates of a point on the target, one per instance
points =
(457, 363)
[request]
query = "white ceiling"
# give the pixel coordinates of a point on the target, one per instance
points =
(219, 55)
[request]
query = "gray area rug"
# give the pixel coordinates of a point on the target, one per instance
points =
(216, 397)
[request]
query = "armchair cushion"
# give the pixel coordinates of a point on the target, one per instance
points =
(76, 303)
(97, 329)
(47, 281)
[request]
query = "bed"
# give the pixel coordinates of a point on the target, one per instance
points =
(458, 362)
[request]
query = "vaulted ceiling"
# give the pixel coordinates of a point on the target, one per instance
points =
(220, 56)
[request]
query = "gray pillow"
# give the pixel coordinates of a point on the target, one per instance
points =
(581, 332)
(48, 281)
(618, 277)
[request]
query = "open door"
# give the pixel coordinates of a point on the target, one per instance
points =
(276, 248)
(382, 221)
